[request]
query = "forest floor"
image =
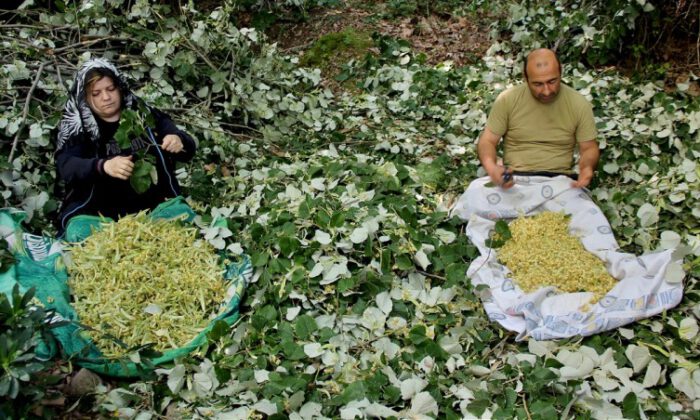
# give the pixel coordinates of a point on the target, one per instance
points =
(440, 37)
(461, 40)
(436, 37)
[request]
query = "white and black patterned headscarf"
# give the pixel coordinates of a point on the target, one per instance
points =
(77, 115)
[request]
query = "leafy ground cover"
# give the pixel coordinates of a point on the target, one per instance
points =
(360, 305)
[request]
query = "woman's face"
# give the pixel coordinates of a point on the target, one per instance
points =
(104, 99)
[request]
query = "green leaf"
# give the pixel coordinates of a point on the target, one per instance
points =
(433, 349)
(355, 391)
(456, 273)
(417, 334)
(502, 229)
(293, 351)
(218, 330)
(404, 262)
(478, 406)
(511, 397)
(500, 234)
(338, 219)
(345, 284)
(264, 316)
(543, 410)
(305, 326)
(122, 134)
(6, 257)
(288, 245)
(259, 259)
(630, 406)
(544, 374)
(141, 179)
(23, 301)
(9, 386)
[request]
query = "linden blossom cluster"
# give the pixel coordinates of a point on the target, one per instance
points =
(129, 282)
(542, 253)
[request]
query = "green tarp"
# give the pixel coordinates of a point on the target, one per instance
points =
(39, 264)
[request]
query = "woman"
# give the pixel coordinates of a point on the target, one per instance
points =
(94, 168)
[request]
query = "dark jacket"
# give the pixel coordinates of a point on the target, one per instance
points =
(88, 190)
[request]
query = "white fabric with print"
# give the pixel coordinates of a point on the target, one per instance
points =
(646, 285)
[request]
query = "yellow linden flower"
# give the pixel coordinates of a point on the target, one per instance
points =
(542, 253)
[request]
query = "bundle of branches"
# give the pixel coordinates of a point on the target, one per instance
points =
(220, 81)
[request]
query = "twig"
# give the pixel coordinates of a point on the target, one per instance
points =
(431, 275)
(89, 42)
(232, 72)
(565, 413)
(199, 53)
(19, 41)
(69, 63)
(77, 19)
(19, 25)
(245, 127)
(527, 412)
(497, 347)
(216, 130)
(58, 73)
(25, 111)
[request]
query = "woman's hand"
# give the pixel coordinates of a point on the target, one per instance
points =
(120, 167)
(172, 143)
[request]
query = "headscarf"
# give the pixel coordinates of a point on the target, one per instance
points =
(77, 115)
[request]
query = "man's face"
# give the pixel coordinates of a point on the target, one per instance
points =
(104, 99)
(544, 82)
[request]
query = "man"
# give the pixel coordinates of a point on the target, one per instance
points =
(540, 121)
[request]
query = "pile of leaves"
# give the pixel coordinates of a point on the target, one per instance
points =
(360, 305)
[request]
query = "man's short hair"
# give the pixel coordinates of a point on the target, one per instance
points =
(525, 64)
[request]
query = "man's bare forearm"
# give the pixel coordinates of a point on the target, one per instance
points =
(589, 153)
(486, 149)
(487, 154)
(588, 156)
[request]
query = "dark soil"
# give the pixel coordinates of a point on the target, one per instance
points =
(439, 37)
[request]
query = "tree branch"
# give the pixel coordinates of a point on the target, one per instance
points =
(214, 129)
(58, 73)
(25, 111)
(89, 42)
(527, 411)
(199, 53)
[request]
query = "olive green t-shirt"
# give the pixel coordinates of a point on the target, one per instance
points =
(538, 136)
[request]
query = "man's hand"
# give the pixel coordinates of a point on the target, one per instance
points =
(489, 160)
(172, 143)
(119, 167)
(584, 178)
(501, 176)
(588, 159)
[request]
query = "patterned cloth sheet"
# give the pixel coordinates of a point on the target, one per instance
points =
(647, 284)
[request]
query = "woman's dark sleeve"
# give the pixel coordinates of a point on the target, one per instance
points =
(165, 126)
(76, 162)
